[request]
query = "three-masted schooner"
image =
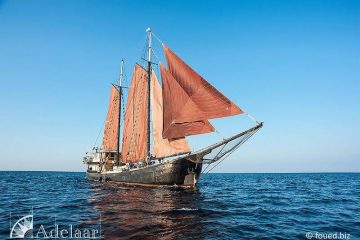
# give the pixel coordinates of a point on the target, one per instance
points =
(180, 107)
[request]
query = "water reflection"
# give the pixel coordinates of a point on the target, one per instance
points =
(141, 212)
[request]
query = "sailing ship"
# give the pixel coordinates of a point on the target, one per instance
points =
(180, 107)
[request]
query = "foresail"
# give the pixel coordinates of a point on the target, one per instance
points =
(182, 117)
(135, 128)
(111, 129)
(163, 147)
(208, 99)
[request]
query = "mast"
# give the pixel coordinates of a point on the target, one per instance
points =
(119, 117)
(148, 93)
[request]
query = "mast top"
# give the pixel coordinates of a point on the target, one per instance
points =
(149, 46)
(121, 72)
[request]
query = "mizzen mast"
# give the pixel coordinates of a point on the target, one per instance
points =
(148, 91)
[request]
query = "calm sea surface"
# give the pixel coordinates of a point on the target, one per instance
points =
(226, 206)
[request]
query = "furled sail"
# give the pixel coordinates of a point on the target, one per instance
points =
(182, 117)
(111, 129)
(135, 126)
(208, 99)
(163, 147)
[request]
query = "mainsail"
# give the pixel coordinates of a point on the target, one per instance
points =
(111, 129)
(135, 128)
(208, 99)
(163, 147)
(181, 115)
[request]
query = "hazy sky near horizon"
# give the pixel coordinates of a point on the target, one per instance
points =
(293, 64)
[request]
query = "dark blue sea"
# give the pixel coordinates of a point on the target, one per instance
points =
(225, 206)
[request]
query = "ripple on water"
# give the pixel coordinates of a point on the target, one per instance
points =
(226, 206)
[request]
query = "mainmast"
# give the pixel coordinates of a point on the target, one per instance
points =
(119, 117)
(148, 93)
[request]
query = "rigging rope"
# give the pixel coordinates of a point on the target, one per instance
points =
(157, 38)
(153, 51)
(100, 130)
(229, 152)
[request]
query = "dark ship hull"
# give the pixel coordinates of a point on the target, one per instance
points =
(180, 172)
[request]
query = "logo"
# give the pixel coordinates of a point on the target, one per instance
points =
(24, 227)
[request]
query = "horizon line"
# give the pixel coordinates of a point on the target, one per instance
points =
(56, 171)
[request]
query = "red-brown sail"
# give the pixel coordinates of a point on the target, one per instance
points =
(111, 129)
(162, 147)
(208, 99)
(182, 117)
(135, 128)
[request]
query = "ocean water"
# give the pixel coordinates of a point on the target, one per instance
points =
(226, 206)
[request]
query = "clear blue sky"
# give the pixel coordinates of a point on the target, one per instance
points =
(293, 64)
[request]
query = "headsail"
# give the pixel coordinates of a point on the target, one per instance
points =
(208, 99)
(135, 128)
(111, 129)
(162, 147)
(182, 117)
